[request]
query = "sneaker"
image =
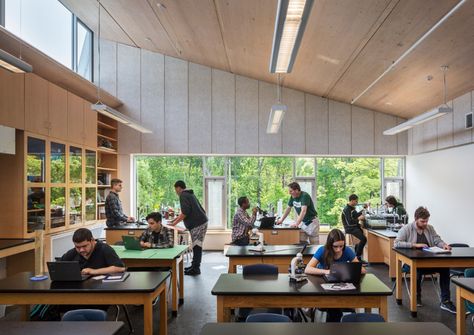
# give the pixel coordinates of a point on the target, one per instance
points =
(418, 301)
(448, 306)
(188, 268)
(363, 261)
(193, 272)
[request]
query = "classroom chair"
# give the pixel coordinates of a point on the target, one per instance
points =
(457, 272)
(267, 317)
(85, 315)
(362, 317)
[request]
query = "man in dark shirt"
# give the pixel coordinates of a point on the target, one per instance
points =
(156, 236)
(195, 220)
(94, 257)
(113, 206)
(350, 220)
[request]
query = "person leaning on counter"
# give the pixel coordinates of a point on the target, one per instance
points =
(156, 235)
(307, 218)
(397, 207)
(113, 206)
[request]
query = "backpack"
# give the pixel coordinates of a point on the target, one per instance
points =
(43, 312)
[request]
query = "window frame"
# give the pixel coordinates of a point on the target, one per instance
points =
(2, 13)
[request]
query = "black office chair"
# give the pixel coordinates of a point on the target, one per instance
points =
(267, 317)
(362, 317)
(85, 315)
(457, 272)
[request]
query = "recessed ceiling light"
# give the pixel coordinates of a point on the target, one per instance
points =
(388, 103)
(429, 77)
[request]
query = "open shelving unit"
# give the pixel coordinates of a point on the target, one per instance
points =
(107, 149)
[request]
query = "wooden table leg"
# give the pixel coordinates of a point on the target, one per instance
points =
(413, 289)
(398, 275)
(174, 288)
(383, 308)
(163, 312)
(223, 314)
(25, 312)
(181, 280)
(232, 266)
(460, 313)
(148, 316)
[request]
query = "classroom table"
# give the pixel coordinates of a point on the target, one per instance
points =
(140, 288)
(417, 258)
(168, 257)
(464, 291)
(235, 290)
(279, 255)
(379, 248)
(279, 235)
(60, 328)
(114, 234)
(359, 328)
(19, 254)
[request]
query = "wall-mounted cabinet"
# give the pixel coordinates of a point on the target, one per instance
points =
(12, 99)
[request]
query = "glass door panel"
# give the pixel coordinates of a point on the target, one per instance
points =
(91, 167)
(75, 205)
(90, 203)
(58, 207)
(58, 163)
(75, 165)
(36, 160)
(35, 208)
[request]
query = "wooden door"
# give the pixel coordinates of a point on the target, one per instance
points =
(58, 113)
(12, 102)
(75, 111)
(90, 125)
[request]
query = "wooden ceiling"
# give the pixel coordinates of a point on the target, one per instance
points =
(347, 44)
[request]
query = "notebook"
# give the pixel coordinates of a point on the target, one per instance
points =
(437, 250)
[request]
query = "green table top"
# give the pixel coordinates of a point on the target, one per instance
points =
(167, 253)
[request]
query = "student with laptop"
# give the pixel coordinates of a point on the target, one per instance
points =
(420, 234)
(156, 235)
(334, 251)
(94, 257)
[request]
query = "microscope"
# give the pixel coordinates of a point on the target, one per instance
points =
(257, 234)
(297, 269)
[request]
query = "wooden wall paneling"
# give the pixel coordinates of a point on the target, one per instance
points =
(58, 112)
(223, 112)
(384, 145)
(316, 125)
(362, 131)
(430, 135)
(75, 112)
(129, 91)
(461, 106)
(417, 139)
(445, 129)
(108, 66)
(339, 128)
(267, 143)
(200, 109)
(12, 99)
(402, 140)
(13, 200)
(90, 125)
(246, 116)
(176, 105)
(293, 125)
(152, 101)
(36, 104)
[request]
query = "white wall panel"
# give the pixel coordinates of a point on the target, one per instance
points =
(152, 101)
(461, 106)
(362, 131)
(339, 128)
(200, 117)
(246, 117)
(385, 145)
(223, 112)
(108, 66)
(293, 126)
(176, 105)
(402, 140)
(417, 139)
(267, 96)
(445, 130)
(129, 92)
(430, 135)
(316, 125)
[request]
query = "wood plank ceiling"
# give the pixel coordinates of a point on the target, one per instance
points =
(347, 44)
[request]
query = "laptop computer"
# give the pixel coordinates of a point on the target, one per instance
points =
(65, 271)
(267, 222)
(344, 273)
(131, 242)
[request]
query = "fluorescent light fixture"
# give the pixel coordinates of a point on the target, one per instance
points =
(417, 120)
(276, 116)
(13, 64)
(290, 23)
(116, 115)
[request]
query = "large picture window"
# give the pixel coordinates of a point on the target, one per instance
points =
(219, 181)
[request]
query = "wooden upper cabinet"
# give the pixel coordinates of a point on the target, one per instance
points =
(12, 102)
(90, 125)
(36, 105)
(75, 128)
(58, 114)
